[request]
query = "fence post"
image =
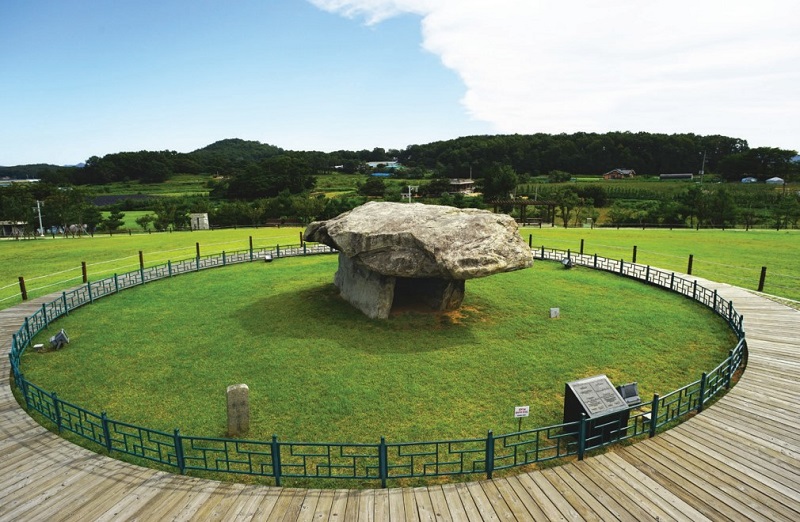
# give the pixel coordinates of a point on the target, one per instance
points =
(762, 278)
(689, 268)
(169, 267)
(141, 266)
(730, 370)
(64, 300)
(277, 251)
(22, 289)
(44, 314)
(542, 251)
(83, 271)
(595, 261)
(383, 465)
(304, 248)
(694, 290)
(89, 291)
(106, 431)
(530, 240)
(715, 301)
(730, 311)
(116, 284)
(634, 253)
(197, 247)
(56, 410)
(582, 437)
(301, 239)
(702, 392)
(28, 330)
(672, 281)
(647, 274)
(23, 383)
(654, 415)
(581, 246)
(179, 452)
(489, 454)
(251, 248)
(276, 460)
(223, 258)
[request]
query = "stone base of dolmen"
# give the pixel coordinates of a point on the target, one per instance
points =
(375, 294)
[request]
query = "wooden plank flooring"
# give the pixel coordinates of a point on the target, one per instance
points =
(739, 459)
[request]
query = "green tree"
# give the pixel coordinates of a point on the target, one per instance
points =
(786, 211)
(145, 221)
(372, 187)
(499, 182)
(270, 177)
(566, 200)
(558, 176)
(114, 220)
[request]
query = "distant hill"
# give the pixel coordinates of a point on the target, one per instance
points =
(25, 171)
(225, 153)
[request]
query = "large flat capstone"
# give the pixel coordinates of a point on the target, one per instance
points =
(391, 251)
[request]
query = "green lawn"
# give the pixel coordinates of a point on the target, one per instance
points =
(162, 355)
(732, 256)
(129, 220)
(50, 264)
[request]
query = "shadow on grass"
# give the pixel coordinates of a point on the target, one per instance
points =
(325, 315)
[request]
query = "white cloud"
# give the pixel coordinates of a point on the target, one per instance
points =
(713, 66)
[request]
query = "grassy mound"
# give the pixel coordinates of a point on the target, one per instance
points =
(162, 355)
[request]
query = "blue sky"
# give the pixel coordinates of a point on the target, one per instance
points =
(90, 77)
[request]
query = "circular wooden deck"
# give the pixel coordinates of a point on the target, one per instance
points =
(739, 459)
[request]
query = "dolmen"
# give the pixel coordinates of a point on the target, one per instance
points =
(412, 254)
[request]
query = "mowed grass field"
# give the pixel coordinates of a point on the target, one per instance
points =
(163, 354)
(731, 256)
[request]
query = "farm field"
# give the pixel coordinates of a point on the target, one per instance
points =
(177, 185)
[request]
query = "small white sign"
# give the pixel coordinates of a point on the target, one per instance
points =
(521, 411)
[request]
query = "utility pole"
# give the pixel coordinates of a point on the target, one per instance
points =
(38, 210)
(703, 167)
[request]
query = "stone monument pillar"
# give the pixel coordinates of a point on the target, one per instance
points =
(238, 410)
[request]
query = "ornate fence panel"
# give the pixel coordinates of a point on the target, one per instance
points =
(537, 445)
(129, 279)
(228, 456)
(187, 265)
(153, 445)
(329, 460)
(103, 288)
(77, 297)
(436, 458)
(155, 273)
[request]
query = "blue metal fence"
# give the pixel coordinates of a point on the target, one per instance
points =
(380, 461)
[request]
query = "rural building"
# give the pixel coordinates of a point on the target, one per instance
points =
(199, 221)
(384, 164)
(461, 186)
(619, 174)
(685, 175)
(12, 228)
(775, 181)
(7, 182)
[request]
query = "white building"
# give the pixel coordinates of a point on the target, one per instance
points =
(199, 221)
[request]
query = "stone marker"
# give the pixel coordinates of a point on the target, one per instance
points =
(238, 409)
(416, 252)
(555, 313)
